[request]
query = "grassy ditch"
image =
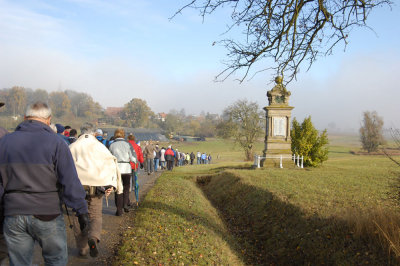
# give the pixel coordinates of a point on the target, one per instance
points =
(273, 230)
(177, 225)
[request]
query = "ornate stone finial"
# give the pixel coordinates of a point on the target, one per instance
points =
(278, 80)
(278, 95)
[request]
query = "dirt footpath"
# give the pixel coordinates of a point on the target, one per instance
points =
(113, 228)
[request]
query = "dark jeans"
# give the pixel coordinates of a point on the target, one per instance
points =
(170, 165)
(122, 200)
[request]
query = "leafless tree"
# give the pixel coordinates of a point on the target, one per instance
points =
(243, 121)
(371, 131)
(288, 31)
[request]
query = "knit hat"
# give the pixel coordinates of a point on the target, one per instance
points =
(60, 128)
(99, 131)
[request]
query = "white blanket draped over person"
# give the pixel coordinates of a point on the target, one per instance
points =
(97, 170)
(92, 164)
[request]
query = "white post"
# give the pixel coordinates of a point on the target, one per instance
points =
(258, 161)
(298, 160)
(280, 164)
(255, 160)
(293, 157)
(302, 159)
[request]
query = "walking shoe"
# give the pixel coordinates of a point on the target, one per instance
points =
(126, 209)
(118, 213)
(92, 247)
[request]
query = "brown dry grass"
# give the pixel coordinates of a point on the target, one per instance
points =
(378, 226)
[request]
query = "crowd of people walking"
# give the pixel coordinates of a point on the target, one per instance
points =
(168, 158)
(44, 166)
(154, 158)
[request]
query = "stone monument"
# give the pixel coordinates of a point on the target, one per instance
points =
(278, 114)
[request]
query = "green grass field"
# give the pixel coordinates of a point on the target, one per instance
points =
(342, 213)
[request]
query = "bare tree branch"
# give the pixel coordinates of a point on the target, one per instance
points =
(291, 32)
(395, 133)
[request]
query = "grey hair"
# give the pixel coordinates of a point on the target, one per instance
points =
(88, 128)
(39, 110)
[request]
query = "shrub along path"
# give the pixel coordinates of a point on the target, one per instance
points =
(113, 228)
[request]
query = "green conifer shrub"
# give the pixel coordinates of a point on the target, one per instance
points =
(308, 142)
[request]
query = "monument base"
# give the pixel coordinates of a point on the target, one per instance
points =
(277, 158)
(274, 150)
(276, 163)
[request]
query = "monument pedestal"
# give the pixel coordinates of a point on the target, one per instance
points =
(277, 136)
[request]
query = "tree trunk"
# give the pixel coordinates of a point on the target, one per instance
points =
(249, 154)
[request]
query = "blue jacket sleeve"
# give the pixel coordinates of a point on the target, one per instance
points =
(73, 194)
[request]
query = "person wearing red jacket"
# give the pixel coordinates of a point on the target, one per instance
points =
(169, 157)
(135, 166)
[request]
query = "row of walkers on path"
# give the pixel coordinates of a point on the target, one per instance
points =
(158, 158)
(175, 158)
(167, 158)
(39, 173)
(154, 158)
(203, 158)
(124, 154)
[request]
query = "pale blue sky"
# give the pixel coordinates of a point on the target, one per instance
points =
(118, 50)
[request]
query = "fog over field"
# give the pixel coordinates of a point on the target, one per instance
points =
(129, 49)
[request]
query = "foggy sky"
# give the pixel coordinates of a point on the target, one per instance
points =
(42, 50)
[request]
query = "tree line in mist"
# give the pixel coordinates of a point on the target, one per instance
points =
(62, 103)
(69, 104)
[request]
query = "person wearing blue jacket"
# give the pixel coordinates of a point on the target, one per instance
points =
(37, 175)
(60, 132)
(204, 158)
